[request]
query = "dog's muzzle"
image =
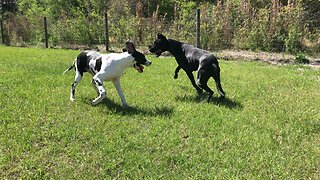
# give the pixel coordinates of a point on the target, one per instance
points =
(158, 52)
(140, 68)
(155, 51)
(148, 63)
(151, 49)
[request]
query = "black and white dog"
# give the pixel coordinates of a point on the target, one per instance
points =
(106, 67)
(190, 58)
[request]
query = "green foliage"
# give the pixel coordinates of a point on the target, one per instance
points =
(312, 14)
(258, 39)
(121, 26)
(186, 24)
(216, 26)
(165, 8)
(301, 58)
(254, 25)
(293, 40)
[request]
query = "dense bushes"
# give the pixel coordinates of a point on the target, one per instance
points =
(277, 25)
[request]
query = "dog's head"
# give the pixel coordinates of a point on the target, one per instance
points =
(160, 45)
(139, 58)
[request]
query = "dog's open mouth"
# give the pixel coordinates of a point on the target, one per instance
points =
(139, 68)
(158, 52)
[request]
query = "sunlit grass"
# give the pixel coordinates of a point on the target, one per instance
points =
(267, 127)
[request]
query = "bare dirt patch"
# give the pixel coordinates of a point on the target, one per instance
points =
(272, 58)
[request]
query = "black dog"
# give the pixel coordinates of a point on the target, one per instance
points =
(190, 58)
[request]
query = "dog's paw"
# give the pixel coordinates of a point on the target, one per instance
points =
(200, 91)
(175, 76)
(94, 102)
(72, 99)
(125, 105)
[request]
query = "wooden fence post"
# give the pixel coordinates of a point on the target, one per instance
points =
(46, 32)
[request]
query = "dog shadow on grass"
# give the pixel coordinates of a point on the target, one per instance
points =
(226, 102)
(133, 110)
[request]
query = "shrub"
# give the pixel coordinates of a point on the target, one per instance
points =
(301, 59)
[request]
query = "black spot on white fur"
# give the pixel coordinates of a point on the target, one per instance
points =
(98, 64)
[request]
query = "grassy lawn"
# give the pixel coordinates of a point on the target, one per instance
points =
(267, 127)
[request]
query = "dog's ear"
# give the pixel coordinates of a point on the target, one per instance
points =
(161, 36)
(130, 47)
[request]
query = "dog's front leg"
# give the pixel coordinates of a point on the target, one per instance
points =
(116, 83)
(176, 72)
(102, 92)
(191, 77)
(95, 87)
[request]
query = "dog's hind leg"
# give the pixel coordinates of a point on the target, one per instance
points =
(77, 79)
(219, 87)
(116, 83)
(216, 77)
(202, 81)
(102, 92)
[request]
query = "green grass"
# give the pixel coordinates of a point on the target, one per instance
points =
(268, 127)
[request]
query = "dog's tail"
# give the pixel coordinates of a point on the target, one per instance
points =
(68, 69)
(72, 66)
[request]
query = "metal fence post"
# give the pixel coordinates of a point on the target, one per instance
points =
(1, 23)
(46, 32)
(106, 29)
(2, 33)
(198, 28)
